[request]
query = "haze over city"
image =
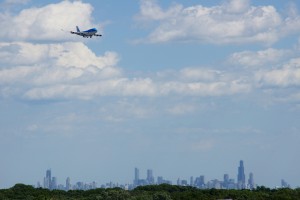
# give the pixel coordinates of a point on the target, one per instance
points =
(242, 182)
(181, 87)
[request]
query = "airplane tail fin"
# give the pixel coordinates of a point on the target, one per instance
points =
(77, 29)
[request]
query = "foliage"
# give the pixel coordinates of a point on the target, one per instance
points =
(151, 192)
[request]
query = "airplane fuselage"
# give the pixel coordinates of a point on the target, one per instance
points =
(88, 33)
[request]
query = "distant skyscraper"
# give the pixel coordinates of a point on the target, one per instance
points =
(136, 176)
(178, 181)
(200, 182)
(192, 181)
(241, 176)
(225, 181)
(68, 184)
(53, 183)
(48, 179)
(150, 177)
(251, 184)
(284, 184)
(160, 180)
(48, 173)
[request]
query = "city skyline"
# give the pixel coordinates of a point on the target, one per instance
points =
(51, 183)
(180, 87)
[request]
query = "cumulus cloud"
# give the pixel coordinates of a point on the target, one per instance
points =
(216, 88)
(233, 21)
(45, 23)
(135, 87)
(68, 54)
(53, 67)
(236, 6)
(287, 76)
(73, 55)
(71, 70)
(263, 58)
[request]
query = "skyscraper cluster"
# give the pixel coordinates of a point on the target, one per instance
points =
(199, 182)
(284, 184)
(149, 179)
(50, 182)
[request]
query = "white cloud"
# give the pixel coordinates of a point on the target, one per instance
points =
(150, 10)
(68, 54)
(263, 58)
(45, 23)
(71, 70)
(204, 82)
(80, 56)
(287, 76)
(53, 63)
(233, 21)
(53, 68)
(22, 53)
(236, 6)
(135, 87)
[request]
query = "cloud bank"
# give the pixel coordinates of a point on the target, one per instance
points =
(234, 21)
(72, 70)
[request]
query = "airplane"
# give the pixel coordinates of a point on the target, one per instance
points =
(88, 33)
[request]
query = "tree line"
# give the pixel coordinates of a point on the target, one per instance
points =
(150, 192)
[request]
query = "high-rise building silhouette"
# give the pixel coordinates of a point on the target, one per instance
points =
(160, 180)
(48, 173)
(241, 176)
(150, 178)
(48, 179)
(53, 183)
(136, 176)
(200, 182)
(68, 184)
(284, 184)
(251, 184)
(225, 181)
(191, 181)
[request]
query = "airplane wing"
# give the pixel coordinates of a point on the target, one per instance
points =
(99, 35)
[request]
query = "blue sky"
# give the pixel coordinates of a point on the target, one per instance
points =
(186, 88)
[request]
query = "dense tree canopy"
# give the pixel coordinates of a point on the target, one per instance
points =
(151, 192)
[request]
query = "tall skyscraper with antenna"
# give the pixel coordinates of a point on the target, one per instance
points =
(48, 179)
(241, 176)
